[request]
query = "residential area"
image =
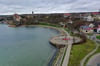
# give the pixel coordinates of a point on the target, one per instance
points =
(88, 22)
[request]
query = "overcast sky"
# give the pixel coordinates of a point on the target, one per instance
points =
(47, 6)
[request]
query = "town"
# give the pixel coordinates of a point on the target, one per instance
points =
(89, 22)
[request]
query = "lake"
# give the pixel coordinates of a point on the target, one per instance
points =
(26, 46)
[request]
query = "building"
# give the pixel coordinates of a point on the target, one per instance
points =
(86, 29)
(88, 17)
(16, 19)
(96, 27)
(66, 15)
(96, 15)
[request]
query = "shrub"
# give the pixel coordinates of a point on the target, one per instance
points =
(98, 37)
(82, 36)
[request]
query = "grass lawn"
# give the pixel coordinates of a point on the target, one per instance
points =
(78, 52)
(98, 37)
(48, 24)
(98, 50)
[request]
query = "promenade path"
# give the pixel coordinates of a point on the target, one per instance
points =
(67, 55)
(58, 40)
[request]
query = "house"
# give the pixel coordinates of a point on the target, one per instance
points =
(70, 21)
(91, 25)
(88, 17)
(16, 17)
(75, 15)
(86, 29)
(96, 15)
(66, 15)
(97, 27)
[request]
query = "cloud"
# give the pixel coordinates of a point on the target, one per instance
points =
(47, 6)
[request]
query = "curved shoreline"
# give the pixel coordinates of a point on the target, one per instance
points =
(61, 32)
(58, 29)
(51, 60)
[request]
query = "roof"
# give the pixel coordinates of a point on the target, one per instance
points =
(96, 23)
(98, 26)
(16, 15)
(95, 13)
(85, 27)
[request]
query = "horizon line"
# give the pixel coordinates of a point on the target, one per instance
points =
(52, 13)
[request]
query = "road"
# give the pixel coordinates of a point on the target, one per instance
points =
(94, 60)
(93, 37)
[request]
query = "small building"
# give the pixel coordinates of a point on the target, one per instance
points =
(70, 21)
(17, 19)
(91, 25)
(75, 16)
(86, 29)
(66, 15)
(97, 27)
(88, 17)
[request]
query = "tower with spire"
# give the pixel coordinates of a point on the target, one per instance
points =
(33, 13)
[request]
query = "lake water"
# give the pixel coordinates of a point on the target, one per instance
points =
(26, 46)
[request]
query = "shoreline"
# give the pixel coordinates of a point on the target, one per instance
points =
(57, 49)
(61, 32)
(53, 57)
(58, 29)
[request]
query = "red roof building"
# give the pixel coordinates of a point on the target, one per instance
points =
(95, 13)
(66, 14)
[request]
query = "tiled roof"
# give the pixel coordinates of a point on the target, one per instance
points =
(94, 13)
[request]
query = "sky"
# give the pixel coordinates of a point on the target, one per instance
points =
(47, 6)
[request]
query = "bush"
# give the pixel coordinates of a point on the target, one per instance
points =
(98, 37)
(82, 36)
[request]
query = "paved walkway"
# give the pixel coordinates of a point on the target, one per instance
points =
(94, 60)
(59, 40)
(67, 55)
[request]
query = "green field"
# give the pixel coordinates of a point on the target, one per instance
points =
(78, 52)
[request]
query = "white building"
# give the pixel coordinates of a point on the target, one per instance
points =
(70, 21)
(91, 25)
(17, 17)
(90, 18)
